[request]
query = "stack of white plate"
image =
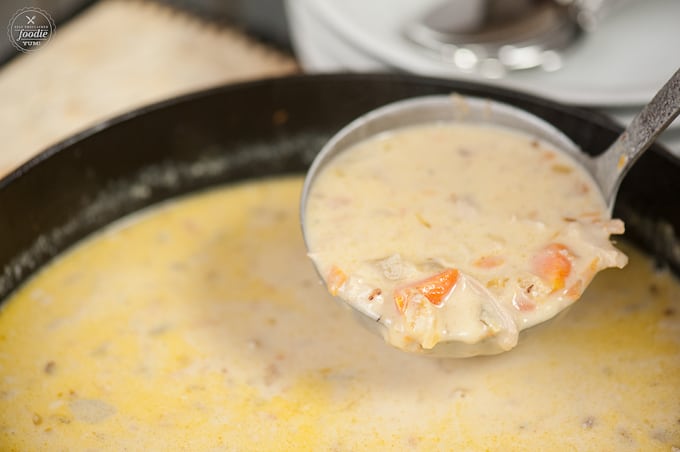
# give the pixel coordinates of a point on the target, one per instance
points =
(617, 68)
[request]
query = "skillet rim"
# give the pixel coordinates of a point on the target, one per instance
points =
(584, 113)
(400, 82)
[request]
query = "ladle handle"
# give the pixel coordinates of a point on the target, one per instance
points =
(612, 165)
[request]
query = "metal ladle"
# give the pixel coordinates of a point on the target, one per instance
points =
(607, 169)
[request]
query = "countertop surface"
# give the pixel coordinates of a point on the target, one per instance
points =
(115, 56)
(118, 55)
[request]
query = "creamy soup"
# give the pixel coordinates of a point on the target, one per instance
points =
(457, 232)
(201, 325)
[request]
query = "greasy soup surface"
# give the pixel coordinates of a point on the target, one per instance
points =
(201, 325)
(457, 232)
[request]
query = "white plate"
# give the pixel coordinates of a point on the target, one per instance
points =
(623, 63)
(319, 49)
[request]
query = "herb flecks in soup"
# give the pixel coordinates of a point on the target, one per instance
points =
(201, 325)
(458, 232)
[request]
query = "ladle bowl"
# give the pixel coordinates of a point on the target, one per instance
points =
(606, 169)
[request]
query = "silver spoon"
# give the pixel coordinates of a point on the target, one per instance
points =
(610, 167)
(607, 169)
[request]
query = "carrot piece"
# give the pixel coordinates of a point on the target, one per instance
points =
(523, 303)
(575, 290)
(336, 279)
(592, 269)
(488, 262)
(435, 288)
(553, 265)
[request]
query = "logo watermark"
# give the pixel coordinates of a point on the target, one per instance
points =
(30, 28)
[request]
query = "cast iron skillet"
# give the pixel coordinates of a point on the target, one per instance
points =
(257, 129)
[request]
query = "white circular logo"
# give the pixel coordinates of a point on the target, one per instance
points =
(30, 28)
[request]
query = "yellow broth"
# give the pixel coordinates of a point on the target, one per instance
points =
(201, 325)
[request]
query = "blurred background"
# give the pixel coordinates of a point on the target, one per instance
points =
(106, 57)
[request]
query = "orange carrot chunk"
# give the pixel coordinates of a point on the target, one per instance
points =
(434, 288)
(489, 261)
(523, 303)
(553, 265)
(574, 292)
(336, 279)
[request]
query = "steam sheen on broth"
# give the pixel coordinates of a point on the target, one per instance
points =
(200, 325)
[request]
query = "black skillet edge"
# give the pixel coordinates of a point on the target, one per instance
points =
(265, 127)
